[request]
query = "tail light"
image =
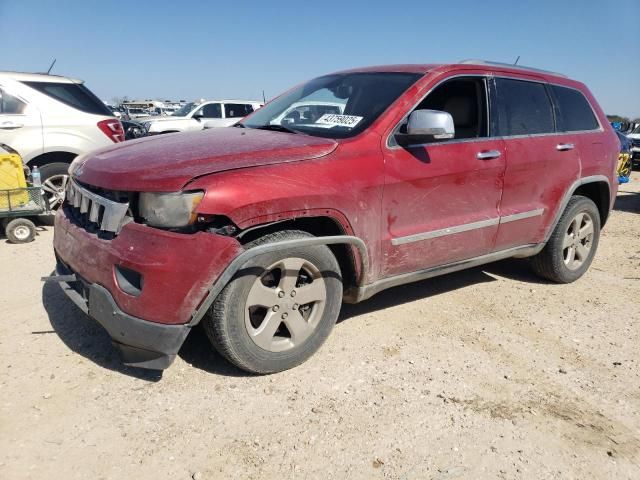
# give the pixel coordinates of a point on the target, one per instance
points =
(112, 129)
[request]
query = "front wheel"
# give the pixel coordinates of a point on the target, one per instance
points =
(573, 243)
(279, 309)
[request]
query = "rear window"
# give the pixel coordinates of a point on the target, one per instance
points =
(74, 95)
(575, 113)
(232, 110)
(524, 108)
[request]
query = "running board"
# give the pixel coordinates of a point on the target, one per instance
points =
(358, 294)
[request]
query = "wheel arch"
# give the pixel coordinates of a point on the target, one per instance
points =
(318, 226)
(52, 157)
(597, 188)
(598, 192)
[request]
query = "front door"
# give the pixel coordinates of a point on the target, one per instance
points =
(441, 200)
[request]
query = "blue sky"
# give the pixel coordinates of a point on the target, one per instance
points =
(195, 49)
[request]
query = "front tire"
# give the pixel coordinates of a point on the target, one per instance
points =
(573, 243)
(279, 308)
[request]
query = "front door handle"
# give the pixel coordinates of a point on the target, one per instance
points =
(488, 155)
(563, 147)
(9, 125)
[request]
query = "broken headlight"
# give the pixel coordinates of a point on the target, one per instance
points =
(169, 210)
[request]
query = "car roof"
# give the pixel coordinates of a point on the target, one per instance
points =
(37, 77)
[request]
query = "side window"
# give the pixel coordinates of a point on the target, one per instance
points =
(236, 110)
(466, 100)
(10, 104)
(212, 110)
(524, 108)
(575, 113)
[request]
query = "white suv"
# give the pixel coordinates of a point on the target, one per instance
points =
(199, 116)
(49, 120)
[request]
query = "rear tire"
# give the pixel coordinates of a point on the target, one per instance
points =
(54, 180)
(573, 243)
(20, 230)
(259, 322)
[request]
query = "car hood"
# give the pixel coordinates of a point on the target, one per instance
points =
(168, 162)
(634, 136)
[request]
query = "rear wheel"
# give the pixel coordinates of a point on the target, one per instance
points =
(279, 309)
(54, 182)
(20, 230)
(572, 245)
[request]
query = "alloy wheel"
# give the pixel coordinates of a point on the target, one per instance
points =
(578, 241)
(285, 304)
(54, 190)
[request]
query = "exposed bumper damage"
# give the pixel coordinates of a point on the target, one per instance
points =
(141, 343)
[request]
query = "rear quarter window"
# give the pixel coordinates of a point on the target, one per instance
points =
(74, 95)
(10, 104)
(574, 112)
(524, 108)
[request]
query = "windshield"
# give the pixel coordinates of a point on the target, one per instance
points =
(184, 110)
(636, 130)
(334, 106)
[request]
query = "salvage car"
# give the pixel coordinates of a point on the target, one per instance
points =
(634, 137)
(261, 231)
(49, 120)
(200, 116)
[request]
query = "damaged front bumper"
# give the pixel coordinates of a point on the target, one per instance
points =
(141, 343)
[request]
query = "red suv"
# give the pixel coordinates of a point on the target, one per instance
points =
(375, 177)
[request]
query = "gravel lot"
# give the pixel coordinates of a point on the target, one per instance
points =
(488, 373)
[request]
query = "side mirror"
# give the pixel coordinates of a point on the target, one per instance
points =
(425, 126)
(199, 115)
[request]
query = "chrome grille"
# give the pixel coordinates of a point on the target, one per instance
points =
(107, 215)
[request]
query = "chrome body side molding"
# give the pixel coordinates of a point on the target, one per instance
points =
(521, 215)
(465, 227)
(445, 231)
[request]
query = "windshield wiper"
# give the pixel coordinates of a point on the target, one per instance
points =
(238, 125)
(276, 128)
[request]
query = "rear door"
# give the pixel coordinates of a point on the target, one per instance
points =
(440, 201)
(541, 163)
(20, 124)
(234, 112)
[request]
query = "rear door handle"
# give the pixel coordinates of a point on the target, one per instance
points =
(488, 155)
(9, 125)
(563, 147)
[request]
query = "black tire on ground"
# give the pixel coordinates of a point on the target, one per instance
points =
(20, 230)
(230, 319)
(46, 172)
(554, 261)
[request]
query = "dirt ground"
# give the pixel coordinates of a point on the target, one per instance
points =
(488, 373)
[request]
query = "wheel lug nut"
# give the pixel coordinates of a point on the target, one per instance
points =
(296, 306)
(276, 308)
(293, 293)
(285, 315)
(280, 294)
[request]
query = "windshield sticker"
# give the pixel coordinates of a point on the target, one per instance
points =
(335, 120)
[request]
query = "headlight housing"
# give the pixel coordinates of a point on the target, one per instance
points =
(169, 209)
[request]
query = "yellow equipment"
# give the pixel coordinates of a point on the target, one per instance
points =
(12, 178)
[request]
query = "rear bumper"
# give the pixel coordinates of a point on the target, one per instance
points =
(141, 343)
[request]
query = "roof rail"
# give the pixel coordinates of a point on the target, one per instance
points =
(509, 65)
